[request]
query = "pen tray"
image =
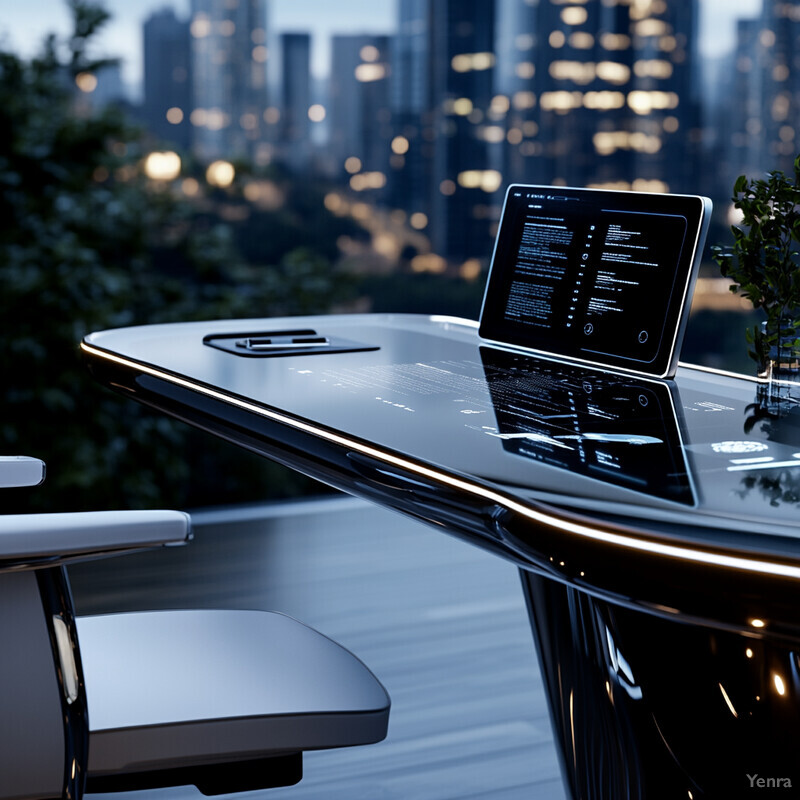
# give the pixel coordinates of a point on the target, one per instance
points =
(276, 344)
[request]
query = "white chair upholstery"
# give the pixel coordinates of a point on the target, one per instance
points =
(225, 700)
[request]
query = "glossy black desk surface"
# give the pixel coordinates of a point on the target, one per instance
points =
(655, 523)
(654, 493)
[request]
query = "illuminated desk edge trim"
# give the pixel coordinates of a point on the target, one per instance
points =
(685, 553)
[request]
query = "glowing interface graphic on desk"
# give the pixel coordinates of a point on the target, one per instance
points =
(591, 275)
(615, 429)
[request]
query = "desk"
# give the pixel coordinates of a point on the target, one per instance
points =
(655, 523)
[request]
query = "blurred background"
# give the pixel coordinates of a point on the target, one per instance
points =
(200, 159)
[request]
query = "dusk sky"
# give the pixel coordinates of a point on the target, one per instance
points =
(23, 25)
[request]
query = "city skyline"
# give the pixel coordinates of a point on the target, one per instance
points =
(433, 117)
(24, 26)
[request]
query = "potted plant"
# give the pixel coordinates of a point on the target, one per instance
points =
(764, 265)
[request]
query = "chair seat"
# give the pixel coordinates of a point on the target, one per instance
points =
(169, 690)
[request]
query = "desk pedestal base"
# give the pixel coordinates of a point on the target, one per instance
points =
(645, 707)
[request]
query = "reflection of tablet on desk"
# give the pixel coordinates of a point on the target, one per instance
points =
(601, 277)
(615, 428)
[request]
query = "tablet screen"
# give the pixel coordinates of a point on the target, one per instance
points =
(602, 277)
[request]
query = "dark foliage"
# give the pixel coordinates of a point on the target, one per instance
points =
(87, 242)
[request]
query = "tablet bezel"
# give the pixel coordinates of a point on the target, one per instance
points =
(495, 328)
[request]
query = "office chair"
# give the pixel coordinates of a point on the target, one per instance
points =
(225, 700)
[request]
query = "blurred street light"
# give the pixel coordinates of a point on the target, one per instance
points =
(162, 166)
(220, 174)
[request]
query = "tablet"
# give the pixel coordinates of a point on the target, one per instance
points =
(596, 276)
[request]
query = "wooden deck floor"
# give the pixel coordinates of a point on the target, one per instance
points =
(442, 625)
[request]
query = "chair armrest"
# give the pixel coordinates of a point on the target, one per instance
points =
(37, 539)
(18, 471)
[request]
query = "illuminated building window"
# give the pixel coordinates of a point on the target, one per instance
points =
(525, 70)
(470, 269)
(656, 186)
(667, 43)
(500, 104)
(615, 41)
(560, 102)
(447, 187)
(580, 40)
(603, 101)
(481, 61)
(651, 27)
(653, 68)
(767, 38)
(780, 72)
(530, 128)
(227, 27)
(200, 27)
(619, 186)
(369, 53)
(489, 180)
(576, 71)
(606, 143)
(468, 62)
(671, 124)
(493, 134)
(258, 36)
(613, 72)
(428, 262)
(641, 102)
(462, 106)
(524, 41)
(368, 72)
(642, 143)
(248, 122)
(316, 112)
(260, 53)
(786, 133)
(367, 180)
(780, 108)
(557, 39)
(400, 145)
(641, 9)
(574, 15)
(514, 136)
(272, 115)
(523, 100)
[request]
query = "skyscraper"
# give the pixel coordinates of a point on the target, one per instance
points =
(295, 139)
(778, 80)
(229, 55)
(465, 197)
(411, 104)
(167, 77)
(603, 93)
(360, 116)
